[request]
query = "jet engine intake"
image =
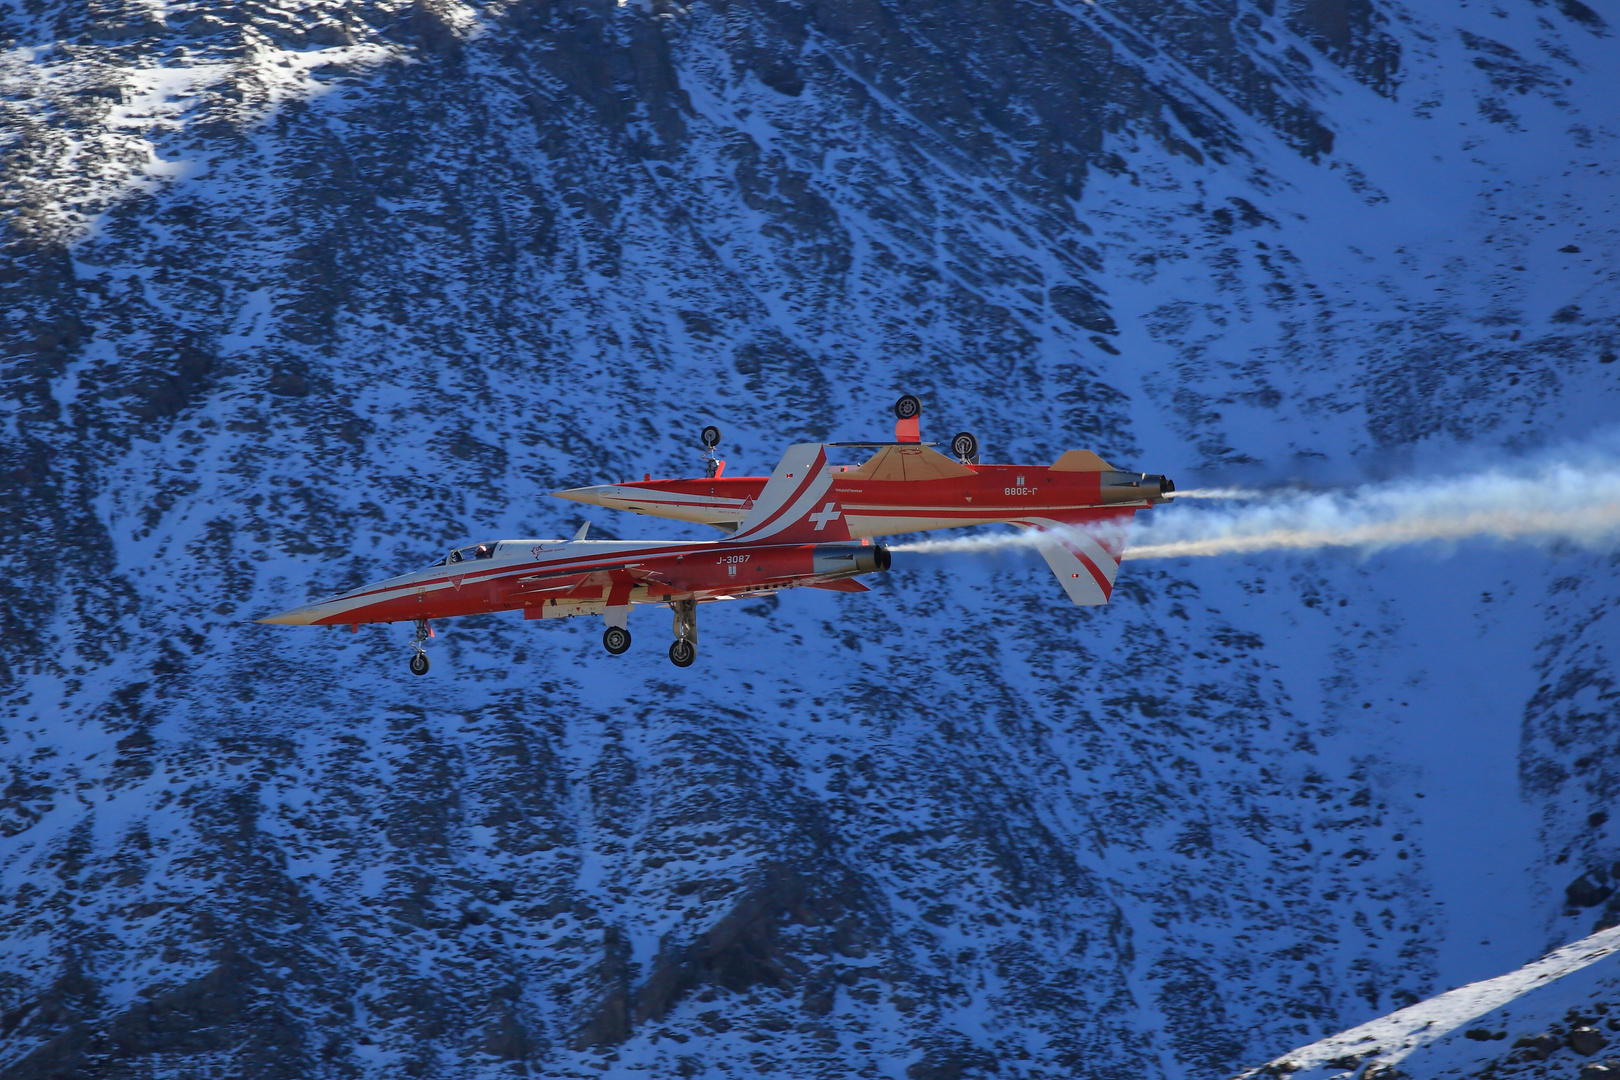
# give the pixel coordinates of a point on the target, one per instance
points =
(1124, 487)
(846, 560)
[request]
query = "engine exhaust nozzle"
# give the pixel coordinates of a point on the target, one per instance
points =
(847, 560)
(1123, 487)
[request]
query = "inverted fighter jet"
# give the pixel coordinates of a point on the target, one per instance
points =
(1080, 502)
(785, 540)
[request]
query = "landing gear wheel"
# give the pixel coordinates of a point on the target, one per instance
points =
(907, 407)
(615, 639)
(965, 446)
(710, 436)
(419, 661)
(682, 653)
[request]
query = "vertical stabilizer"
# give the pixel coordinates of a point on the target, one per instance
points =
(797, 505)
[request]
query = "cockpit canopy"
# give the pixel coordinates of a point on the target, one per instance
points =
(469, 553)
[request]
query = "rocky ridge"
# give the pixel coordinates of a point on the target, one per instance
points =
(1563, 1005)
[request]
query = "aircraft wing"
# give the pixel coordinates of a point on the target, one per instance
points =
(593, 584)
(797, 505)
(557, 583)
(908, 462)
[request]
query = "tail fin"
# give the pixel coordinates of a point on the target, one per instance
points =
(1083, 551)
(797, 505)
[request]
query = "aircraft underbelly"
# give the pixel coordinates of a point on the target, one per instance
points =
(562, 609)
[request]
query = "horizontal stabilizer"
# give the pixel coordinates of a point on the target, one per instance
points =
(1083, 554)
(840, 585)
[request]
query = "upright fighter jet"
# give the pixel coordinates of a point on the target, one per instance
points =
(783, 542)
(1080, 503)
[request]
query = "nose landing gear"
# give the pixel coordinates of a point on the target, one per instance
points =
(419, 660)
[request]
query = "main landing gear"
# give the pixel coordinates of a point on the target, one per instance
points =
(712, 465)
(419, 660)
(684, 651)
(965, 447)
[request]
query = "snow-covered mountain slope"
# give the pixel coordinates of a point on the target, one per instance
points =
(1552, 1017)
(298, 294)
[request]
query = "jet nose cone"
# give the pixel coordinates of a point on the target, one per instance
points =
(299, 616)
(600, 495)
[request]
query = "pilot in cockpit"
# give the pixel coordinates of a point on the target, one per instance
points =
(477, 551)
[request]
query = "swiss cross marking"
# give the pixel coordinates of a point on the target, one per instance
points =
(826, 514)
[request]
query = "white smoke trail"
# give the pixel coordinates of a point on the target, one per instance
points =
(975, 544)
(1574, 500)
(1542, 504)
(1220, 493)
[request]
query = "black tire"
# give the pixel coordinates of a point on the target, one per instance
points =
(419, 664)
(682, 653)
(710, 436)
(965, 446)
(907, 407)
(616, 639)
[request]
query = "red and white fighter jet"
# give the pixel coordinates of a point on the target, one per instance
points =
(786, 539)
(1079, 504)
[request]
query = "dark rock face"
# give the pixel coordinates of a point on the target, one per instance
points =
(295, 295)
(1584, 892)
(1587, 1041)
(1352, 34)
(1540, 1046)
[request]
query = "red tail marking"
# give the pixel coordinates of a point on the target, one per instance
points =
(1103, 583)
